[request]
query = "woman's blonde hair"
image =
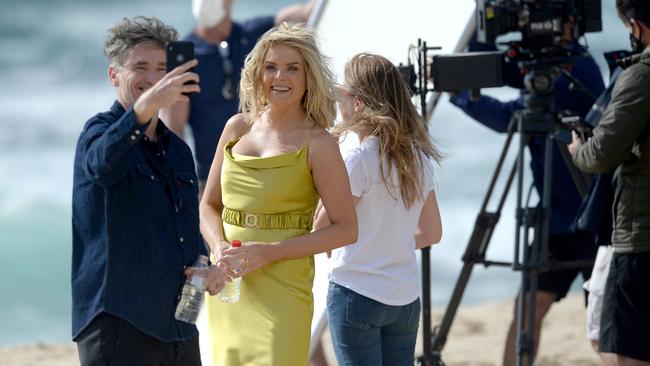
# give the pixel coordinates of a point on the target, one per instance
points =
(390, 115)
(319, 101)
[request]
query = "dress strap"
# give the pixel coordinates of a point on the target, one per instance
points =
(248, 129)
(236, 139)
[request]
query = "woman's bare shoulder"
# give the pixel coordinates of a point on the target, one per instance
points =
(236, 126)
(322, 142)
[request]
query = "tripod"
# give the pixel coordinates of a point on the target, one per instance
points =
(425, 255)
(537, 120)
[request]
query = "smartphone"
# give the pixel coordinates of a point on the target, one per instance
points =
(178, 53)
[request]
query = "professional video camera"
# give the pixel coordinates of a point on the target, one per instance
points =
(541, 22)
(542, 26)
(532, 63)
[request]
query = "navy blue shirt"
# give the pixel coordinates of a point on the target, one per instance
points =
(135, 225)
(209, 110)
(496, 115)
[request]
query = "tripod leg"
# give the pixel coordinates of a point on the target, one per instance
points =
(535, 258)
(425, 255)
(474, 252)
(525, 310)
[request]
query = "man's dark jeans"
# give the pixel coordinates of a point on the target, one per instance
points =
(109, 340)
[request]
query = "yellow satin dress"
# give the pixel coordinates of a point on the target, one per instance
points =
(267, 200)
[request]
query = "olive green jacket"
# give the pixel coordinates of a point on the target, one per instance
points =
(622, 140)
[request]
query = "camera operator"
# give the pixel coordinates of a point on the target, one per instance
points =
(621, 142)
(595, 216)
(564, 245)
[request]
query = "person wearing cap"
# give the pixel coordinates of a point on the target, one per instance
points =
(221, 45)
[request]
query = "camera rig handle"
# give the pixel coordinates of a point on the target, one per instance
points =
(417, 79)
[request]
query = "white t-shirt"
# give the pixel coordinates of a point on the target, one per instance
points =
(381, 264)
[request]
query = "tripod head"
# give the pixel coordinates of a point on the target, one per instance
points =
(538, 115)
(540, 83)
(539, 97)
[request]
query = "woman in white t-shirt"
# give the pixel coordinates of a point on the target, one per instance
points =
(373, 298)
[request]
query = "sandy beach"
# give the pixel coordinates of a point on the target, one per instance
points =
(476, 339)
(478, 333)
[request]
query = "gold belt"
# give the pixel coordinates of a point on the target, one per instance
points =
(267, 221)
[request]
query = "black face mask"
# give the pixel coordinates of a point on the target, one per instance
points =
(637, 46)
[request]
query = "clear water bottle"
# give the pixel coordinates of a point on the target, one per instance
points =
(188, 307)
(230, 292)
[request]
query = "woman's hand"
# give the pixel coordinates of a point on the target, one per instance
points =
(218, 253)
(253, 255)
(216, 280)
(219, 249)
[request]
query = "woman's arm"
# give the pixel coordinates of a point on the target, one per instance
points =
(211, 204)
(321, 219)
(332, 183)
(429, 230)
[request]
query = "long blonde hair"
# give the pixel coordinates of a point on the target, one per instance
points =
(389, 114)
(319, 101)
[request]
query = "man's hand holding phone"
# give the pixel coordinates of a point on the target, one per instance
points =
(179, 53)
(175, 86)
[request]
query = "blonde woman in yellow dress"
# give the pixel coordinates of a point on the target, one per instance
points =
(273, 163)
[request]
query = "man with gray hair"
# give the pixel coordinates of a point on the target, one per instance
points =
(135, 211)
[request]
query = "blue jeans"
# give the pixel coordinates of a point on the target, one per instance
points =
(367, 332)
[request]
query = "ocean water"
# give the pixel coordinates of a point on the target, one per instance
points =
(53, 77)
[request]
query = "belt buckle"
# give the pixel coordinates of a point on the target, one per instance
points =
(250, 220)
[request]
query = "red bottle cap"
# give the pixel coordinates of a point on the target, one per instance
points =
(235, 243)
